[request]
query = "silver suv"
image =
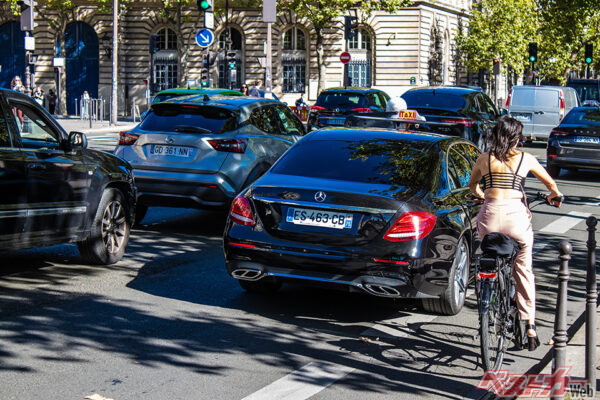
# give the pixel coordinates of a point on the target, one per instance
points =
(201, 151)
(540, 108)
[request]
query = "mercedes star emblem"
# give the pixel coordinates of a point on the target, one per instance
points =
(169, 139)
(320, 196)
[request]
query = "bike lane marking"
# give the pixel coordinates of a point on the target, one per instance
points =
(565, 223)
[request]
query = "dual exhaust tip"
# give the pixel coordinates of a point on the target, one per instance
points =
(252, 274)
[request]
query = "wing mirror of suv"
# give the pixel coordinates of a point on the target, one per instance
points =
(77, 141)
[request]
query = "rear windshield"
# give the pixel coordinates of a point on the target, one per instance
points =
(587, 91)
(188, 119)
(422, 99)
(583, 117)
(532, 97)
(341, 100)
(395, 163)
(163, 97)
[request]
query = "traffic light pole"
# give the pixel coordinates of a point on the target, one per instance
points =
(268, 69)
(114, 104)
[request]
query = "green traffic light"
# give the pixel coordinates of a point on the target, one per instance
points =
(232, 65)
(204, 84)
(588, 60)
(532, 58)
(204, 4)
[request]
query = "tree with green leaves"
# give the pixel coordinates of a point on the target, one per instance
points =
(499, 29)
(324, 14)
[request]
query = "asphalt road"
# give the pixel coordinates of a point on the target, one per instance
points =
(169, 323)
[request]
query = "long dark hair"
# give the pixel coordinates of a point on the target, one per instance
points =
(503, 137)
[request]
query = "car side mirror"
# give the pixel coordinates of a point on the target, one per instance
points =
(77, 141)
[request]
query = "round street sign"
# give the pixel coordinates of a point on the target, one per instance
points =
(345, 57)
(204, 37)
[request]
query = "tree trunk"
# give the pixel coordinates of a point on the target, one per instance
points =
(320, 60)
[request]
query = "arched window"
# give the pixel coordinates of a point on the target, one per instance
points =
(230, 77)
(165, 61)
(294, 60)
(360, 66)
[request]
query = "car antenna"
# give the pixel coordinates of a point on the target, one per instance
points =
(206, 98)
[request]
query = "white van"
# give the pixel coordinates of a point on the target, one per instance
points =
(540, 108)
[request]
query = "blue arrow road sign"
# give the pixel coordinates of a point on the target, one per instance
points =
(205, 37)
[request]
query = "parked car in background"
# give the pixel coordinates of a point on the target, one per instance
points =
(540, 108)
(333, 105)
(457, 111)
(384, 212)
(587, 89)
(200, 152)
(575, 143)
(55, 190)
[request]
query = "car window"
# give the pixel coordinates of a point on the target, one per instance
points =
(343, 100)
(470, 152)
(583, 116)
(291, 124)
(383, 98)
(4, 133)
(376, 100)
(265, 119)
(33, 129)
(433, 99)
(168, 117)
(486, 105)
(459, 169)
(474, 104)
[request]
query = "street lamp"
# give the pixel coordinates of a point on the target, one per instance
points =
(106, 45)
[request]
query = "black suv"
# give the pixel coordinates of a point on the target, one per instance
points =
(54, 190)
(462, 111)
(333, 105)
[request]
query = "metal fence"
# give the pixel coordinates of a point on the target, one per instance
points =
(93, 109)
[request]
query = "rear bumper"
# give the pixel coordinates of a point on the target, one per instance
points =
(572, 156)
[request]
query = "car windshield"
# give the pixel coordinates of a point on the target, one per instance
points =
(342, 100)
(395, 163)
(587, 91)
(433, 99)
(189, 119)
(583, 117)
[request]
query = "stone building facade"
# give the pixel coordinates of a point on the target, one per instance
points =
(389, 51)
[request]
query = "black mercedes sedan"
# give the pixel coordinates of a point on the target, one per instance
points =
(575, 143)
(384, 212)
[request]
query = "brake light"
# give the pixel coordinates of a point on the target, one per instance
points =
(362, 110)
(486, 275)
(397, 262)
(508, 98)
(229, 145)
(461, 121)
(411, 226)
(562, 104)
(244, 245)
(317, 108)
(127, 139)
(240, 212)
(556, 132)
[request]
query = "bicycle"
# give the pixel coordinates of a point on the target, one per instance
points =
(499, 320)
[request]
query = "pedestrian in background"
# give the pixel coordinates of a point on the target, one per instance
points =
(244, 89)
(300, 102)
(255, 91)
(17, 85)
(51, 101)
(38, 95)
(85, 105)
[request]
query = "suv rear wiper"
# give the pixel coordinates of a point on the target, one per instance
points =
(191, 128)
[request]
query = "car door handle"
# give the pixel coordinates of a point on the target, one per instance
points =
(539, 112)
(36, 166)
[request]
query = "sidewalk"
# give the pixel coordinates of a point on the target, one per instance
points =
(72, 123)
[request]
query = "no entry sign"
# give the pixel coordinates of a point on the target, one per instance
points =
(345, 57)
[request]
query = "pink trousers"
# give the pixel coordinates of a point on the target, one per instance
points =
(511, 217)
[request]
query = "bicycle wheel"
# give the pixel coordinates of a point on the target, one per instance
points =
(491, 332)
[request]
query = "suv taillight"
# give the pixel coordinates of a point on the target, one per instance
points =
(461, 121)
(240, 212)
(508, 98)
(411, 226)
(127, 139)
(229, 145)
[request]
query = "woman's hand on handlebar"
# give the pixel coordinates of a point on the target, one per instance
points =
(555, 199)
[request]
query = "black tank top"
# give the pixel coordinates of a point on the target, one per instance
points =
(504, 180)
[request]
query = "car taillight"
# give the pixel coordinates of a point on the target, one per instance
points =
(486, 275)
(461, 121)
(229, 145)
(127, 139)
(240, 212)
(556, 132)
(362, 110)
(411, 226)
(562, 104)
(317, 108)
(508, 98)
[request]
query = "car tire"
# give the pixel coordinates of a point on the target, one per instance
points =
(553, 170)
(140, 213)
(109, 232)
(264, 285)
(453, 298)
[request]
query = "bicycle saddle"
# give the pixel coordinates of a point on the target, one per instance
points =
(499, 245)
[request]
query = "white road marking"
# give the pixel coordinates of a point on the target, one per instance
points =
(592, 203)
(302, 383)
(564, 223)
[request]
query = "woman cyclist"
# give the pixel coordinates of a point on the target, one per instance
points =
(503, 169)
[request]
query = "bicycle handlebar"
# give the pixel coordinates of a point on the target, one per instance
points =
(544, 197)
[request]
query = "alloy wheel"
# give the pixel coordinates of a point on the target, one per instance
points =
(114, 227)
(461, 273)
